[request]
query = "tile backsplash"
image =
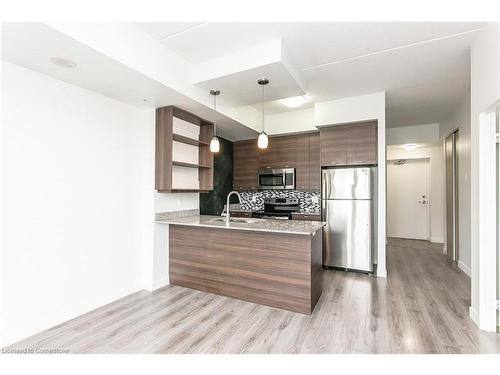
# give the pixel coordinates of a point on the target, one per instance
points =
(254, 200)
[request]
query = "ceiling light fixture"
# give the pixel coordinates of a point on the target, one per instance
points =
(214, 143)
(63, 63)
(295, 101)
(410, 146)
(263, 140)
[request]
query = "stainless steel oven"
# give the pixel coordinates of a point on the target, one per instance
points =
(276, 179)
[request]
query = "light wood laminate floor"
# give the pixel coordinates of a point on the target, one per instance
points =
(422, 307)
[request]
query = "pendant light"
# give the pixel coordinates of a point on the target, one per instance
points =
(214, 143)
(263, 140)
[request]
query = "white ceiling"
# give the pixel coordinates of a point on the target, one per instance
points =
(309, 43)
(32, 45)
(423, 67)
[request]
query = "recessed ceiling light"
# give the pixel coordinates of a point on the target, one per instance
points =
(62, 62)
(410, 146)
(295, 101)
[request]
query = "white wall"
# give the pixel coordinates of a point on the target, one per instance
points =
(77, 179)
(165, 202)
(291, 122)
(437, 185)
(485, 90)
(460, 119)
(361, 108)
(426, 133)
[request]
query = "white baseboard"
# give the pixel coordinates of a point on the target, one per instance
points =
(381, 273)
(436, 240)
(474, 315)
(464, 268)
(159, 283)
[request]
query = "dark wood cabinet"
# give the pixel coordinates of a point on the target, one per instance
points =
(306, 216)
(268, 157)
(301, 152)
(241, 214)
(353, 144)
(362, 144)
(285, 149)
(333, 143)
(314, 162)
(302, 178)
(280, 153)
(245, 165)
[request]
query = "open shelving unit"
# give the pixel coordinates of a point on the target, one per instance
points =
(189, 141)
(194, 173)
(189, 165)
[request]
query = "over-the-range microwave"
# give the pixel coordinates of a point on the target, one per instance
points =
(276, 179)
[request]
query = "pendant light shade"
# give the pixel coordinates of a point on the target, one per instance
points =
(263, 140)
(214, 143)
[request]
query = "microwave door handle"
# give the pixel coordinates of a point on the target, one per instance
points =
(284, 179)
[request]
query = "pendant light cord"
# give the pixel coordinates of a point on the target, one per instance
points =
(215, 115)
(263, 119)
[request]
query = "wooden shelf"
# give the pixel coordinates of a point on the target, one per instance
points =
(189, 165)
(189, 191)
(187, 140)
(164, 163)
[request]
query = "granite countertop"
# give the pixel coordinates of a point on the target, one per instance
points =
(260, 225)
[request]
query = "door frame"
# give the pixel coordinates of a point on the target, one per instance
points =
(484, 262)
(429, 176)
(456, 220)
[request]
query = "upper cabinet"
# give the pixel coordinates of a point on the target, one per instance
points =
(333, 143)
(285, 148)
(280, 153)
(314, 162)
(302, 178)
(245, 165)
(362, 144)
(353, 144)
(183, 161)
(292, 151)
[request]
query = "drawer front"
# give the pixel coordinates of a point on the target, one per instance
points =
(240, 214)
(309, 217)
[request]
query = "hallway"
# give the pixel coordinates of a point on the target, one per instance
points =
(422, 307)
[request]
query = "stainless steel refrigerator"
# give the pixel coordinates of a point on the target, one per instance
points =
(348, 210)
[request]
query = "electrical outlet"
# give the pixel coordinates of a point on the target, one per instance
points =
(254, 199)
(315, 199)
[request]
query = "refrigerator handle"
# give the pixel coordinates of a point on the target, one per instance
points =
(323, 209)
(326, 187)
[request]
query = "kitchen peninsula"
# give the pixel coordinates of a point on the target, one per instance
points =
(270, 262)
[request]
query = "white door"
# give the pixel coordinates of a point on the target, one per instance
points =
(408, 199)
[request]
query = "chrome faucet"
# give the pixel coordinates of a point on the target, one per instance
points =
(227, 205)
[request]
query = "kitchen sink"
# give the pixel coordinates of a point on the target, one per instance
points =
(237, 220)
